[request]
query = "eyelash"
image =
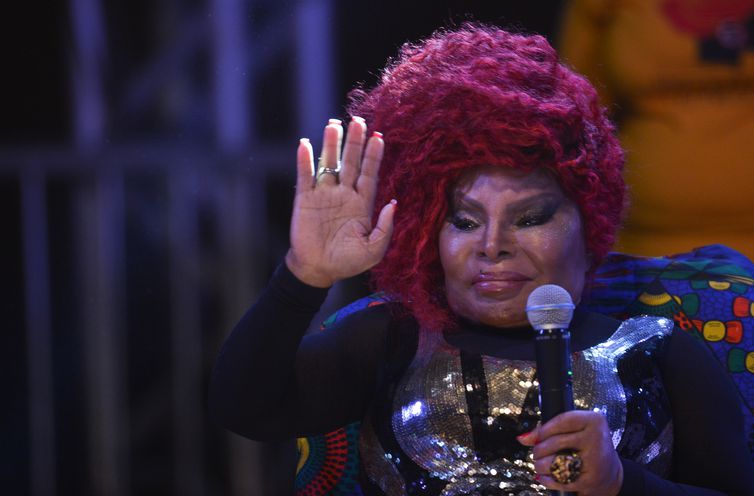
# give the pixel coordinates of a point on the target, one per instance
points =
(535, 219)
(466, 224)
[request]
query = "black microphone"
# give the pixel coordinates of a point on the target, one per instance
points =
(550, 310)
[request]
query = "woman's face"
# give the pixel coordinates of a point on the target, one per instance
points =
(509, 232)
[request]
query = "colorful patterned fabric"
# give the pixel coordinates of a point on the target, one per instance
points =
(328, 464)
(708, 292)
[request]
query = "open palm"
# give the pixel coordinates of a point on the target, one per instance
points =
(332, 236)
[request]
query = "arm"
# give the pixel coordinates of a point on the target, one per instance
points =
(272, 382)
(709, 449)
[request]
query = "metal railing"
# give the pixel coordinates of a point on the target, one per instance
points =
(209, 243)
(229, 271)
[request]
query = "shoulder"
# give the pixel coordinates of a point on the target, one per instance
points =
(615, 336)
(697, 380)
(371, 310)
(691, 359)
(374, 304)
(643, 327)
(374, 319)
(652, 324)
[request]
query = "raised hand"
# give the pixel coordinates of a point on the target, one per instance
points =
(587, 433)
(332, 236)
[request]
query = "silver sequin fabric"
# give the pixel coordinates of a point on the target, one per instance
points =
(446, 402)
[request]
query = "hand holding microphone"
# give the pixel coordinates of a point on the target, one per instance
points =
(573, 450)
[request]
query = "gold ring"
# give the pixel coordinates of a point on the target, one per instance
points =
(566, 467)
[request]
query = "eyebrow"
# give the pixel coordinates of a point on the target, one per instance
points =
(460, 200)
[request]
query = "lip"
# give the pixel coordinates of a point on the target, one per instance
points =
(499, 282)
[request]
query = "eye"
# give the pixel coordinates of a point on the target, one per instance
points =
(534, 219)
(464, 223)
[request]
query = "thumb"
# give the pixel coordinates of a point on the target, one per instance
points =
(383, 231)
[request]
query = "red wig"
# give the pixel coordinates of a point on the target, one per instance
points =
(475, 96)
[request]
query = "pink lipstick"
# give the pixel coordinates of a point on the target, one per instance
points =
(498, 282)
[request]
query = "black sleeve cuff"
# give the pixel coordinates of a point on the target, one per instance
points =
(633, 478)
(295, 293)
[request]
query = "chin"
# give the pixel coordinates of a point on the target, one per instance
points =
(492, 314)
(506, 322)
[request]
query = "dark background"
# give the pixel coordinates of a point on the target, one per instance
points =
(129, 251)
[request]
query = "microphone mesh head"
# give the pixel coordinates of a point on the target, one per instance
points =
(549, 307)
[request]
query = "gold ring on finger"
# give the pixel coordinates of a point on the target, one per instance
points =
(566, 467)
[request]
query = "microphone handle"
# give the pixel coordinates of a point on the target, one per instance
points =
(553, 353)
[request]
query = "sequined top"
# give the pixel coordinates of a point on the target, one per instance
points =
(270, 382)
(447, 425)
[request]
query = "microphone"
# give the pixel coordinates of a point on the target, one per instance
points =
(550, 310)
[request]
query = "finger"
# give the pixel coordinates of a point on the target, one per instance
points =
(542, 465)
(559, 442)
(304, 165)
(331, 139)
(550, 483)
(530, 438)
(370, 168)
(544, 477)
(571, 421)
(349, 168)
(380, 235)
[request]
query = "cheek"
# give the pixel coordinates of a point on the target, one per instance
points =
(575, 248)
(562, 254)
(454, 249)
(450, 248)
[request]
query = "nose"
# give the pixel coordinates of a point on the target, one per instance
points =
(497, 243)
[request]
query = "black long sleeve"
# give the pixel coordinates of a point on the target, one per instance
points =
(270, 382)
(708, 447)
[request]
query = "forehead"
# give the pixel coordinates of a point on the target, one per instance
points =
(500, 179)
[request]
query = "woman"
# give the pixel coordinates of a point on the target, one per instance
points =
(498, 173)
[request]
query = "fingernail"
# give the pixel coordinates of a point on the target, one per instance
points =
(394, 202)
(377, 135)
(356, 118)
(522, 437)
(304, 141)
(337, 122)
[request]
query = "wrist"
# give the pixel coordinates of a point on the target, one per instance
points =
(306, 274)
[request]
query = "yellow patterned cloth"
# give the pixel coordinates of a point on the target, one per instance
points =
(679, 77)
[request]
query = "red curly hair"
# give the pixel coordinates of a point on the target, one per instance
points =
(479, 95)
